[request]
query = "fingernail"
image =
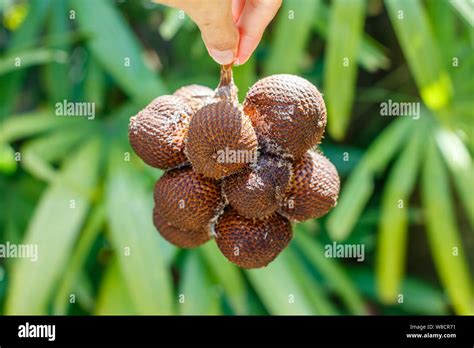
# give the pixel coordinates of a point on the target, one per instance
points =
(222, 57)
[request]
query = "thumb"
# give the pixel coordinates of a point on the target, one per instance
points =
(218, 30)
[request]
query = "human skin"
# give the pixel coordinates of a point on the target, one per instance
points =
(230, 29)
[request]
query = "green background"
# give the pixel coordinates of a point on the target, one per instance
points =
(75, 188)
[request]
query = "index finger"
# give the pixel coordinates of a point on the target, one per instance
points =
(255, 17)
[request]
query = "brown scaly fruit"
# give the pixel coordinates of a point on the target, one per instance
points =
(186, 199)
(179, 237)
(314, 188)
(288, 113)
(289, 117)
(221, 140)
(258, 191)
(252, 243)
(157, 133)
(196, 95)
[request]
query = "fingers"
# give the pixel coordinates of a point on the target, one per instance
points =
(237, 8)
(214, 19)
(253, 20)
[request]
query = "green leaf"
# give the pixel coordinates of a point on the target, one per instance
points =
(419, 297)
(356, 192)
(227, 275)
(29, 124)
(113, 297)
(463, 87)
(76, 263)
(171, 24)
(278, 289)
(331, 271)
(355, 195)
(84, 292)
(95, 84)
(38, 154)
(56, 74)
(25, 36)
(135, 239)
(115, 47)
(414, 33)
(23, 60)
(443, 236)
(442, 21)
(465, 9)
(345, 31)
(387, 144)
(393, 228)
(371, 55)
(293, 26)
(53, 228)
(197, 295)
(7, 159)
(314, 291)
(460, 163)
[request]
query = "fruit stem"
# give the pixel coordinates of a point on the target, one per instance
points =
(227, 90)
(226, 75)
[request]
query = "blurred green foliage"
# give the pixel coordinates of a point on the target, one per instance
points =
(407, 191)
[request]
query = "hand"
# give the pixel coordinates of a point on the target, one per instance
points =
(230, 29)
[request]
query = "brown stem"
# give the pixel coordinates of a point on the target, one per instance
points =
(226, 75)
(227, 90)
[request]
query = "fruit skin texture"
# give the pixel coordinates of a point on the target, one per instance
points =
(186, 199)
(193, 91)
(180, 238)
(258, 191)
(216, 132)
(196, 95)
(252, 243)
(157, 133)
(237, 173)
(314, 188)
(288, 113)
